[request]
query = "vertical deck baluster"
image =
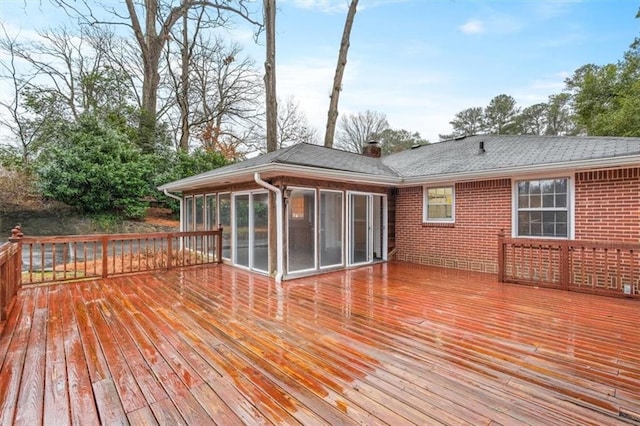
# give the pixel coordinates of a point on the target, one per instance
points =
(632, 270)
(30, 263)
(169, 251)
(619, 273)
(84, 258)
(594, 274)
(65, 259)
(42, 254)
(155, 253)
(75, 259)
(607, 282)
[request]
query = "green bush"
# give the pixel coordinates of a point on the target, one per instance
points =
(94, 166)
(172, 166)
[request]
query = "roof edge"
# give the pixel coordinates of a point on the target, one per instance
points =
(628, 160)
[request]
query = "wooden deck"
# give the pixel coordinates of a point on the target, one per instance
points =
(387, 344)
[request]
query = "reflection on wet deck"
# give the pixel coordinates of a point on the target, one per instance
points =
(394, 343)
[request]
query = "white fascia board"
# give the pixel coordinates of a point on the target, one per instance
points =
(276, 169)
(628, 161)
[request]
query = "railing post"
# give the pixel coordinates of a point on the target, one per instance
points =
(169, 250)
(564, 265)
(105, 257)
(12, 274)
(16, 238)
(219, 245)
(501, 256)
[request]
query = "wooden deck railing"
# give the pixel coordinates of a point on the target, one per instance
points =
(611, 268)
(10, 261)
(73, 257)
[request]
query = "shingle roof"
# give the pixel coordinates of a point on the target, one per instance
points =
(502, 153)
(506, 152)
(303, 154)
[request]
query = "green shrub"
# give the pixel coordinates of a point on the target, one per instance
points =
(94, 167)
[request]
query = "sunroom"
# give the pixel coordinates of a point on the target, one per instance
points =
(294, 212)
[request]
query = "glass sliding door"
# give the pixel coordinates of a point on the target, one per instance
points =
(212, 212)
(331, 228)
(301, 220)
(188, 214)
(260, 229)
(224, 220)
(199, 212)
(359, 220)
(377, 229)
(241, 228)
(251, 230)
(367, 229)
(211, 222)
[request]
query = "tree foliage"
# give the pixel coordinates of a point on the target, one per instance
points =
(95, 168)
(607, 98)
(500, 116)
(393, 141)
(503, 116)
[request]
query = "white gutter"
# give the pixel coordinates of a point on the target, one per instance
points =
(279, 225)
(175, 197)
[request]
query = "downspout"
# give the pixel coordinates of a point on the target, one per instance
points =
(279, 224)
(175, 197)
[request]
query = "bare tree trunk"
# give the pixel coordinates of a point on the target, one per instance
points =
(270, 75)
(272, 120)
(184, 87)
(332, 116)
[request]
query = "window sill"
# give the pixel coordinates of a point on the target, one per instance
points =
(438, 224)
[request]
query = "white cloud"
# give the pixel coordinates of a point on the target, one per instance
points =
(472, 26)
(334, 6)
(549, 9)
(325, 6)
(540, 89)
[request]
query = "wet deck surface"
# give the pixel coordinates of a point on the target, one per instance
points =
(388, 344)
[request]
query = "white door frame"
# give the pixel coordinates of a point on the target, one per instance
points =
(370, 227)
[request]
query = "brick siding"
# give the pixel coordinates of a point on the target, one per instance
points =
(482, 208)
(607, 208)
(608, 205)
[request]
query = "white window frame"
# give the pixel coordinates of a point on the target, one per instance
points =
(570, 205)
(425, 204)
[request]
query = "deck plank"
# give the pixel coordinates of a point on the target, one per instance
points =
(387, 344)
(31, 397)
(83, 408)
(56, 392)
(13, 363)
(128, 391)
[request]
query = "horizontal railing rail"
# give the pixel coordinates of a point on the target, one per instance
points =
(610, 268)
(74, 257)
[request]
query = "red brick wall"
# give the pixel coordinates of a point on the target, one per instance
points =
(608, 205)
(481, 210)
(607, 208)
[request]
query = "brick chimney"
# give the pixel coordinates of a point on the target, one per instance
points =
(372, 149)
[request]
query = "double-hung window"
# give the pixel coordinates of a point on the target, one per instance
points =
(438, 204)
(542, 208)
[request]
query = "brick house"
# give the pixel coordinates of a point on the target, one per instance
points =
(307, 209)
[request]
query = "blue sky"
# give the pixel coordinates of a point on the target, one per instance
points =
(421, 61)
